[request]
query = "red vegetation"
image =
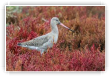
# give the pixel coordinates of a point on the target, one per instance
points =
(83, 50)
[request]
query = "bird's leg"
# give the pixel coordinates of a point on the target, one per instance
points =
(42, 51)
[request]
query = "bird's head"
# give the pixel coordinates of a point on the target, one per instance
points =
(55, 21)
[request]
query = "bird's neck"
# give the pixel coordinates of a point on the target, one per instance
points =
(54, 29)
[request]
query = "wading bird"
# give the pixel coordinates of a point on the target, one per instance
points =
(42, 43)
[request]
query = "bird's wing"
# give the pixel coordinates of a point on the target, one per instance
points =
(47, 44)
(36, 42)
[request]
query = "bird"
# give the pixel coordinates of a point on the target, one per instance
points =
(42, 43)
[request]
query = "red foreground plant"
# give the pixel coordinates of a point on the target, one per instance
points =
(83, 50)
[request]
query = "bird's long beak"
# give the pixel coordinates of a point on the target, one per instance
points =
(66, 27)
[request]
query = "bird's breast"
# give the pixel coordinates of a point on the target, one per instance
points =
(55, 38)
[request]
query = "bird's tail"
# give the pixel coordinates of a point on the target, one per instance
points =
(27, 46)
(19, 44)
(32, 47)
